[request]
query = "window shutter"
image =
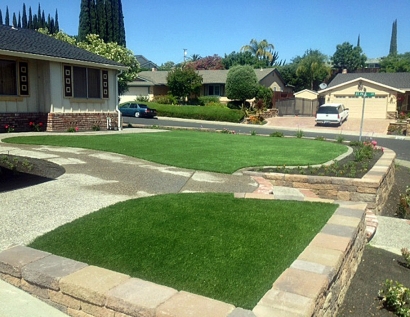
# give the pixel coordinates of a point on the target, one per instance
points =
(105, 84)
(23, 76)
(68, 81)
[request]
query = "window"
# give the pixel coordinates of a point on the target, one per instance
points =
(8, 77)
(86, 82)
(214, 90)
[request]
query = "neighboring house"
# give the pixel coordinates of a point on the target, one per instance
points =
(154, 83)
(306, 94)
(48, 81)
(391, 93)
(145, 63)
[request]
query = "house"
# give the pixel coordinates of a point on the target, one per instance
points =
(387, 93)
(145, 63)
(48, 81)
(306, 94)
(154, 83)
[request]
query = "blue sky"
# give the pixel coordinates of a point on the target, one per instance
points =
(161, 30)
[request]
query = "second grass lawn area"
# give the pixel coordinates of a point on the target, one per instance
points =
(210, 244)
(206, 151)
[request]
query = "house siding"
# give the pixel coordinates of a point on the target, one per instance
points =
(382, 106)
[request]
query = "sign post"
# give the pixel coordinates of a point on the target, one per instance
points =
(364, 94)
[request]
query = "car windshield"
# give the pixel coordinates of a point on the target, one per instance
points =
(327, 110)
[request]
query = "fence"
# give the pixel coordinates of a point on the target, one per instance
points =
(297, 107)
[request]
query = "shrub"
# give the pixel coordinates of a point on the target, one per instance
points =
(406, 255)
(205, 100)
(166, 100)
(299, 134)
(142, 98)
(200, 113)
(215, 104)
(276, 134)
(396, 297)
(404, 204)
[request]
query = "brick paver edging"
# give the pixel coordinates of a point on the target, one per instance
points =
(314, 285)
(373, 188)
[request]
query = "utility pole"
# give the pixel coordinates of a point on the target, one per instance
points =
(185, 54)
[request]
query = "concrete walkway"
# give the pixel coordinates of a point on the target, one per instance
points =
(94, 180)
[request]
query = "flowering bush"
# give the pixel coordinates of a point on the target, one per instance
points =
(396, 297)
(402, 116)
(36, 126)
(404, 204)
(9, 128)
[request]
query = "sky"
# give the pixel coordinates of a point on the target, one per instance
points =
(161, 30)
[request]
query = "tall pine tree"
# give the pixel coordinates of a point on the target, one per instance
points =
(14, 20)
(24, 23)
(1, 17)
(102, 17)
(84, 27)
(7, 18)
(393, 40)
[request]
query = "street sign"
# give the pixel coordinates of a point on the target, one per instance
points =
(362, 93)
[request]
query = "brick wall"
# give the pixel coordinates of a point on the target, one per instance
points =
(373, 188)
(82, 121)
(57, 122)
(21, 121)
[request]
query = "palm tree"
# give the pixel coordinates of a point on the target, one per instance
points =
(195, 57)
(262, 50)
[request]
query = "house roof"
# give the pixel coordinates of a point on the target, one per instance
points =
(400, 81)
(144, 62)
(28, 43)
(306, 90)
(209, 76)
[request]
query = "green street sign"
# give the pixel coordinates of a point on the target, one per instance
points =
(362, 93)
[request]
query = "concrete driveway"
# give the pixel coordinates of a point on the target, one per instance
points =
(352, 125)
(93, 180)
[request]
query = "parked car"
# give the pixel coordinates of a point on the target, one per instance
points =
(133, 109)
(332, 113)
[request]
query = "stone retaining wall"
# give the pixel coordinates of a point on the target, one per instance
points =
(314, 285)
(373, 188)
(87, 121)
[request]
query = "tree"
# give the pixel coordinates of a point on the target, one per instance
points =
(348, 57)
(1, 17)
(241, 84)
(209, 62)
(395, 63)
(312, 68)
(167, 66)
(24, 23)
(393, 40)
(240, 58)
(84, 26)
(195, 57)
(7, 17)
(262, 50)
(14, 20)
(111, 50)
(264, 94)
(184, 82)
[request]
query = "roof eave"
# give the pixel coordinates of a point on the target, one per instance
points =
(61, 60)
(358, 79)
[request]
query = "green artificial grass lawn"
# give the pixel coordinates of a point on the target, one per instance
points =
(206, 151)
(209, 244)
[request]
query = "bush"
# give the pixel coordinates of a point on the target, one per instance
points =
(166, 100)
(276, 134)
(396, 298)
(142, 98)
(205, 100)
(236, 104)
(201, 113)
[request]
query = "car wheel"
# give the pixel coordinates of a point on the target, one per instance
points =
(137, 114)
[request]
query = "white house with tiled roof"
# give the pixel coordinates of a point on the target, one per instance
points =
(48, 81)
(389, 93)
(154, 83)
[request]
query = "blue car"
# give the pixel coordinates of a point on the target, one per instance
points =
(132, 109)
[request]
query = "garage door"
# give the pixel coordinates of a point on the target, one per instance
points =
(375, 108)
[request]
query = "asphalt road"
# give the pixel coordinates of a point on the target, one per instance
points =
(399, 145)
